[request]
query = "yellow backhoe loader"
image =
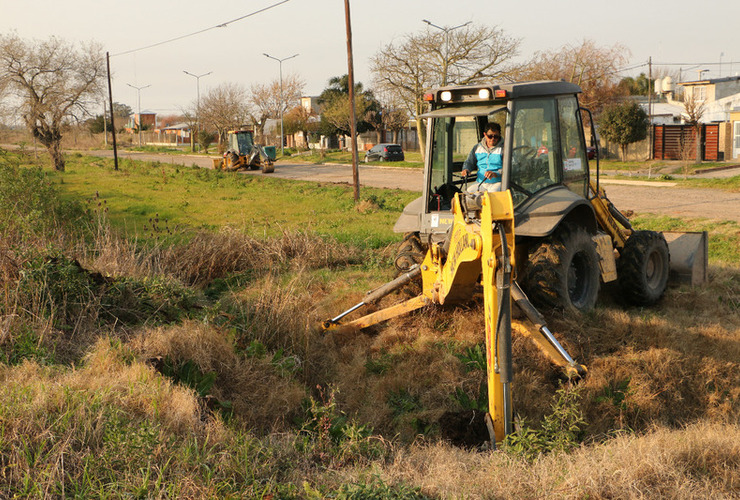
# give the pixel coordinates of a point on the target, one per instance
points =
(551, 228)
(244, 154)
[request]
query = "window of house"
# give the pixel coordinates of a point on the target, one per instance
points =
(700, 93)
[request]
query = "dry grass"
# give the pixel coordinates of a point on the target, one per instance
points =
(661, 400)
(263, 398)
(700, 461)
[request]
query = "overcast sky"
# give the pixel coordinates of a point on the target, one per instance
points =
(681, 33)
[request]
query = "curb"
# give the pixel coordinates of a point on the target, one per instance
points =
(715, 169)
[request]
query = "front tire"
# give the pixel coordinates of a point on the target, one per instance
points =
(563, 272)
(643, 268)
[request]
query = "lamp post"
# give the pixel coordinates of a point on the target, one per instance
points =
(138, 91)
(280, 61)
(197, 102)
(701, 72)
(197, 90)
(447, 44)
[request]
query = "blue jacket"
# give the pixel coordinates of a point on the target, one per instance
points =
(483, 159)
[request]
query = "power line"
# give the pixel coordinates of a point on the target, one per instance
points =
(221, 25)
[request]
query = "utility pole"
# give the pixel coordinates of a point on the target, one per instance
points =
(139, 89)
(446, 31)
(112, 123)
(352, 114)
(197, 108)
(280, 61)
(650, 108)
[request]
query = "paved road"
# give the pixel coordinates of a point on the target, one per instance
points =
(643, 197)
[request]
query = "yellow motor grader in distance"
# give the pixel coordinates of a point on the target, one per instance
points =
(244, 154)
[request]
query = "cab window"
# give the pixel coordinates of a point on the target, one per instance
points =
(573, 150)
(536, 150)
(453, 138)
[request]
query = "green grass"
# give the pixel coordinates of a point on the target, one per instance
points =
(655, 165)
(151, 199)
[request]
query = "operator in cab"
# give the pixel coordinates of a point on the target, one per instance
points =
(487, 158)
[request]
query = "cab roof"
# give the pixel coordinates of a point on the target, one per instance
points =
(517, 89)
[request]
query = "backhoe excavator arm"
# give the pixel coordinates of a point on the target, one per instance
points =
(479, 249)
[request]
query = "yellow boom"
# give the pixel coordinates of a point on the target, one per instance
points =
(479, 249)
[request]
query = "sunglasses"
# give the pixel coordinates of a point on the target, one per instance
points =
(493, 136)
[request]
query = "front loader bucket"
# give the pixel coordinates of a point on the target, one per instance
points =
(689, 252)
(268, 167)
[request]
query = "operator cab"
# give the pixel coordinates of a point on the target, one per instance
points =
(543, 147)
(241, 142)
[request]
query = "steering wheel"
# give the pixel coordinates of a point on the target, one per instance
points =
(527, 152)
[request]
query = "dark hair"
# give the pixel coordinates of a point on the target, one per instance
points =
(492, 126)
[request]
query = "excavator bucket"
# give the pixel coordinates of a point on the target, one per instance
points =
(689, 255)
(267, 167)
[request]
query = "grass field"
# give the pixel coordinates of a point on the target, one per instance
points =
(159, 339)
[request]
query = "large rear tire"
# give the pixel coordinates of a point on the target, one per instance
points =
(643, 268)
(562, 272)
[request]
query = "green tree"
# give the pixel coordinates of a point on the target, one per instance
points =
(334, 102)
(639, 85)
(624, 123)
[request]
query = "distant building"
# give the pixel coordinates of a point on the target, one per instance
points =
(148, 119)
(720, 97)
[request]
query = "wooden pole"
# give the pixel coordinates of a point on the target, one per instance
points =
(352, 115)
(112, 122)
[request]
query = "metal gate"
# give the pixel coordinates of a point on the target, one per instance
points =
(678, 142)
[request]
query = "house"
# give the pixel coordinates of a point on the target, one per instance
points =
(721, 100)
(178, 133)
(719, 96)
(148, 119)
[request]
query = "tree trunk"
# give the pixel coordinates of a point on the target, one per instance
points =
(623, 148)
(697, 131)
(57, 158)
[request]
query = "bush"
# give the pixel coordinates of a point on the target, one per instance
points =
(205, 139)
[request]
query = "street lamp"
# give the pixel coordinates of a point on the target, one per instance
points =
(197, 89)
(280, 61)
(447, 44)
(701, 72)
(197, 105)
(138, 91)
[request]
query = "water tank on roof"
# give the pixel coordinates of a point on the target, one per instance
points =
(667, 84)
(658, 86)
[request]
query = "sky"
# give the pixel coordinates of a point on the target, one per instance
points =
(678, 34)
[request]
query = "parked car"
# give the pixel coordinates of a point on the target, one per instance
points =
(384, 152)
(591, 152)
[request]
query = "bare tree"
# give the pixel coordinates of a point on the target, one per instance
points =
(593, 68)
(393, 115)
(432, 58)
(52, 83)
(694, 112)
(223, 108)
(265, 102)
(190, 116)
